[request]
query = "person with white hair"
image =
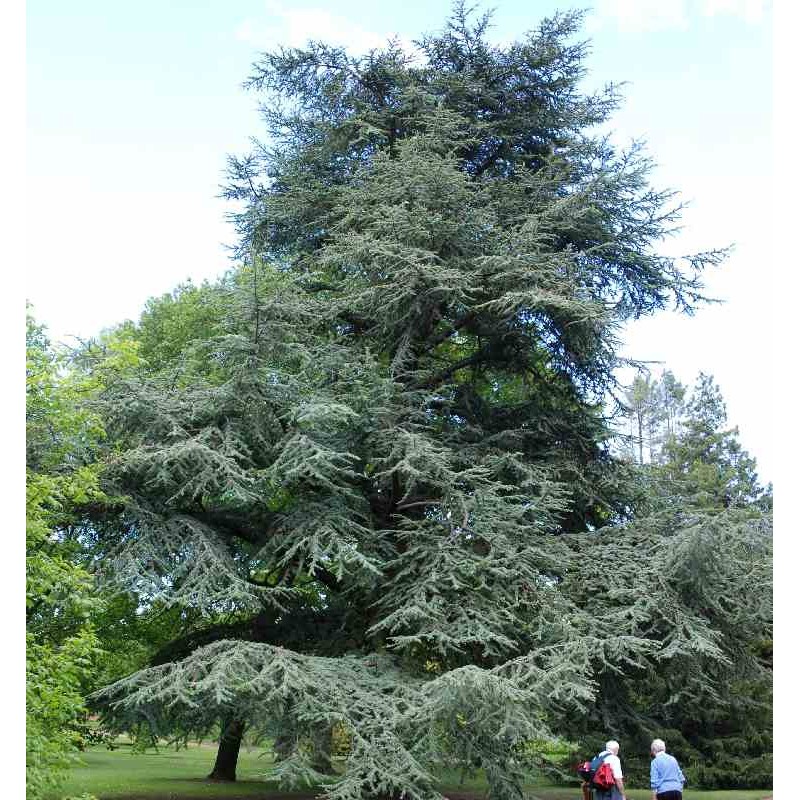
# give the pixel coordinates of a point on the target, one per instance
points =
(666, 777)
(610, 756)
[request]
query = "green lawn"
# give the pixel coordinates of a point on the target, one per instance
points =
(171, 775)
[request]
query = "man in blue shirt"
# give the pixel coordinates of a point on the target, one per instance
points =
(666, 778)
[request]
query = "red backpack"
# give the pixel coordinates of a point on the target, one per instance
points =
(603, 778)
(597, 773)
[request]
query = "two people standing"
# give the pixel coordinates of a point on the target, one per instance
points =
(666, 777)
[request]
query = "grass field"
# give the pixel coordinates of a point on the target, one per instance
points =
(179, 775)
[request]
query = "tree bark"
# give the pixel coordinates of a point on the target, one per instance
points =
(641, 437)
(228, 753)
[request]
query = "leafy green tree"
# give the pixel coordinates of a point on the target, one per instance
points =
(71, 645)
(60, 643)
(387, 464)
(170, 322)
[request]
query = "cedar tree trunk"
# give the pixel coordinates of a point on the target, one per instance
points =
(228, 752)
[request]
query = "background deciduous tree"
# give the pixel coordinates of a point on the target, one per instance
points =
(77, 638)
(61, 645)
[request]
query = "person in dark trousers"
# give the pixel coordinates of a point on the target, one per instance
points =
(666, 778)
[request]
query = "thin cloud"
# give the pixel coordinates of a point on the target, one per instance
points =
(639, 16)
(292, 26)
(648, 16)
(751, 11)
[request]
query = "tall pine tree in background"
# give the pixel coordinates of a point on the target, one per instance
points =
(377, 465)
(643, 411)
(706, 459)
